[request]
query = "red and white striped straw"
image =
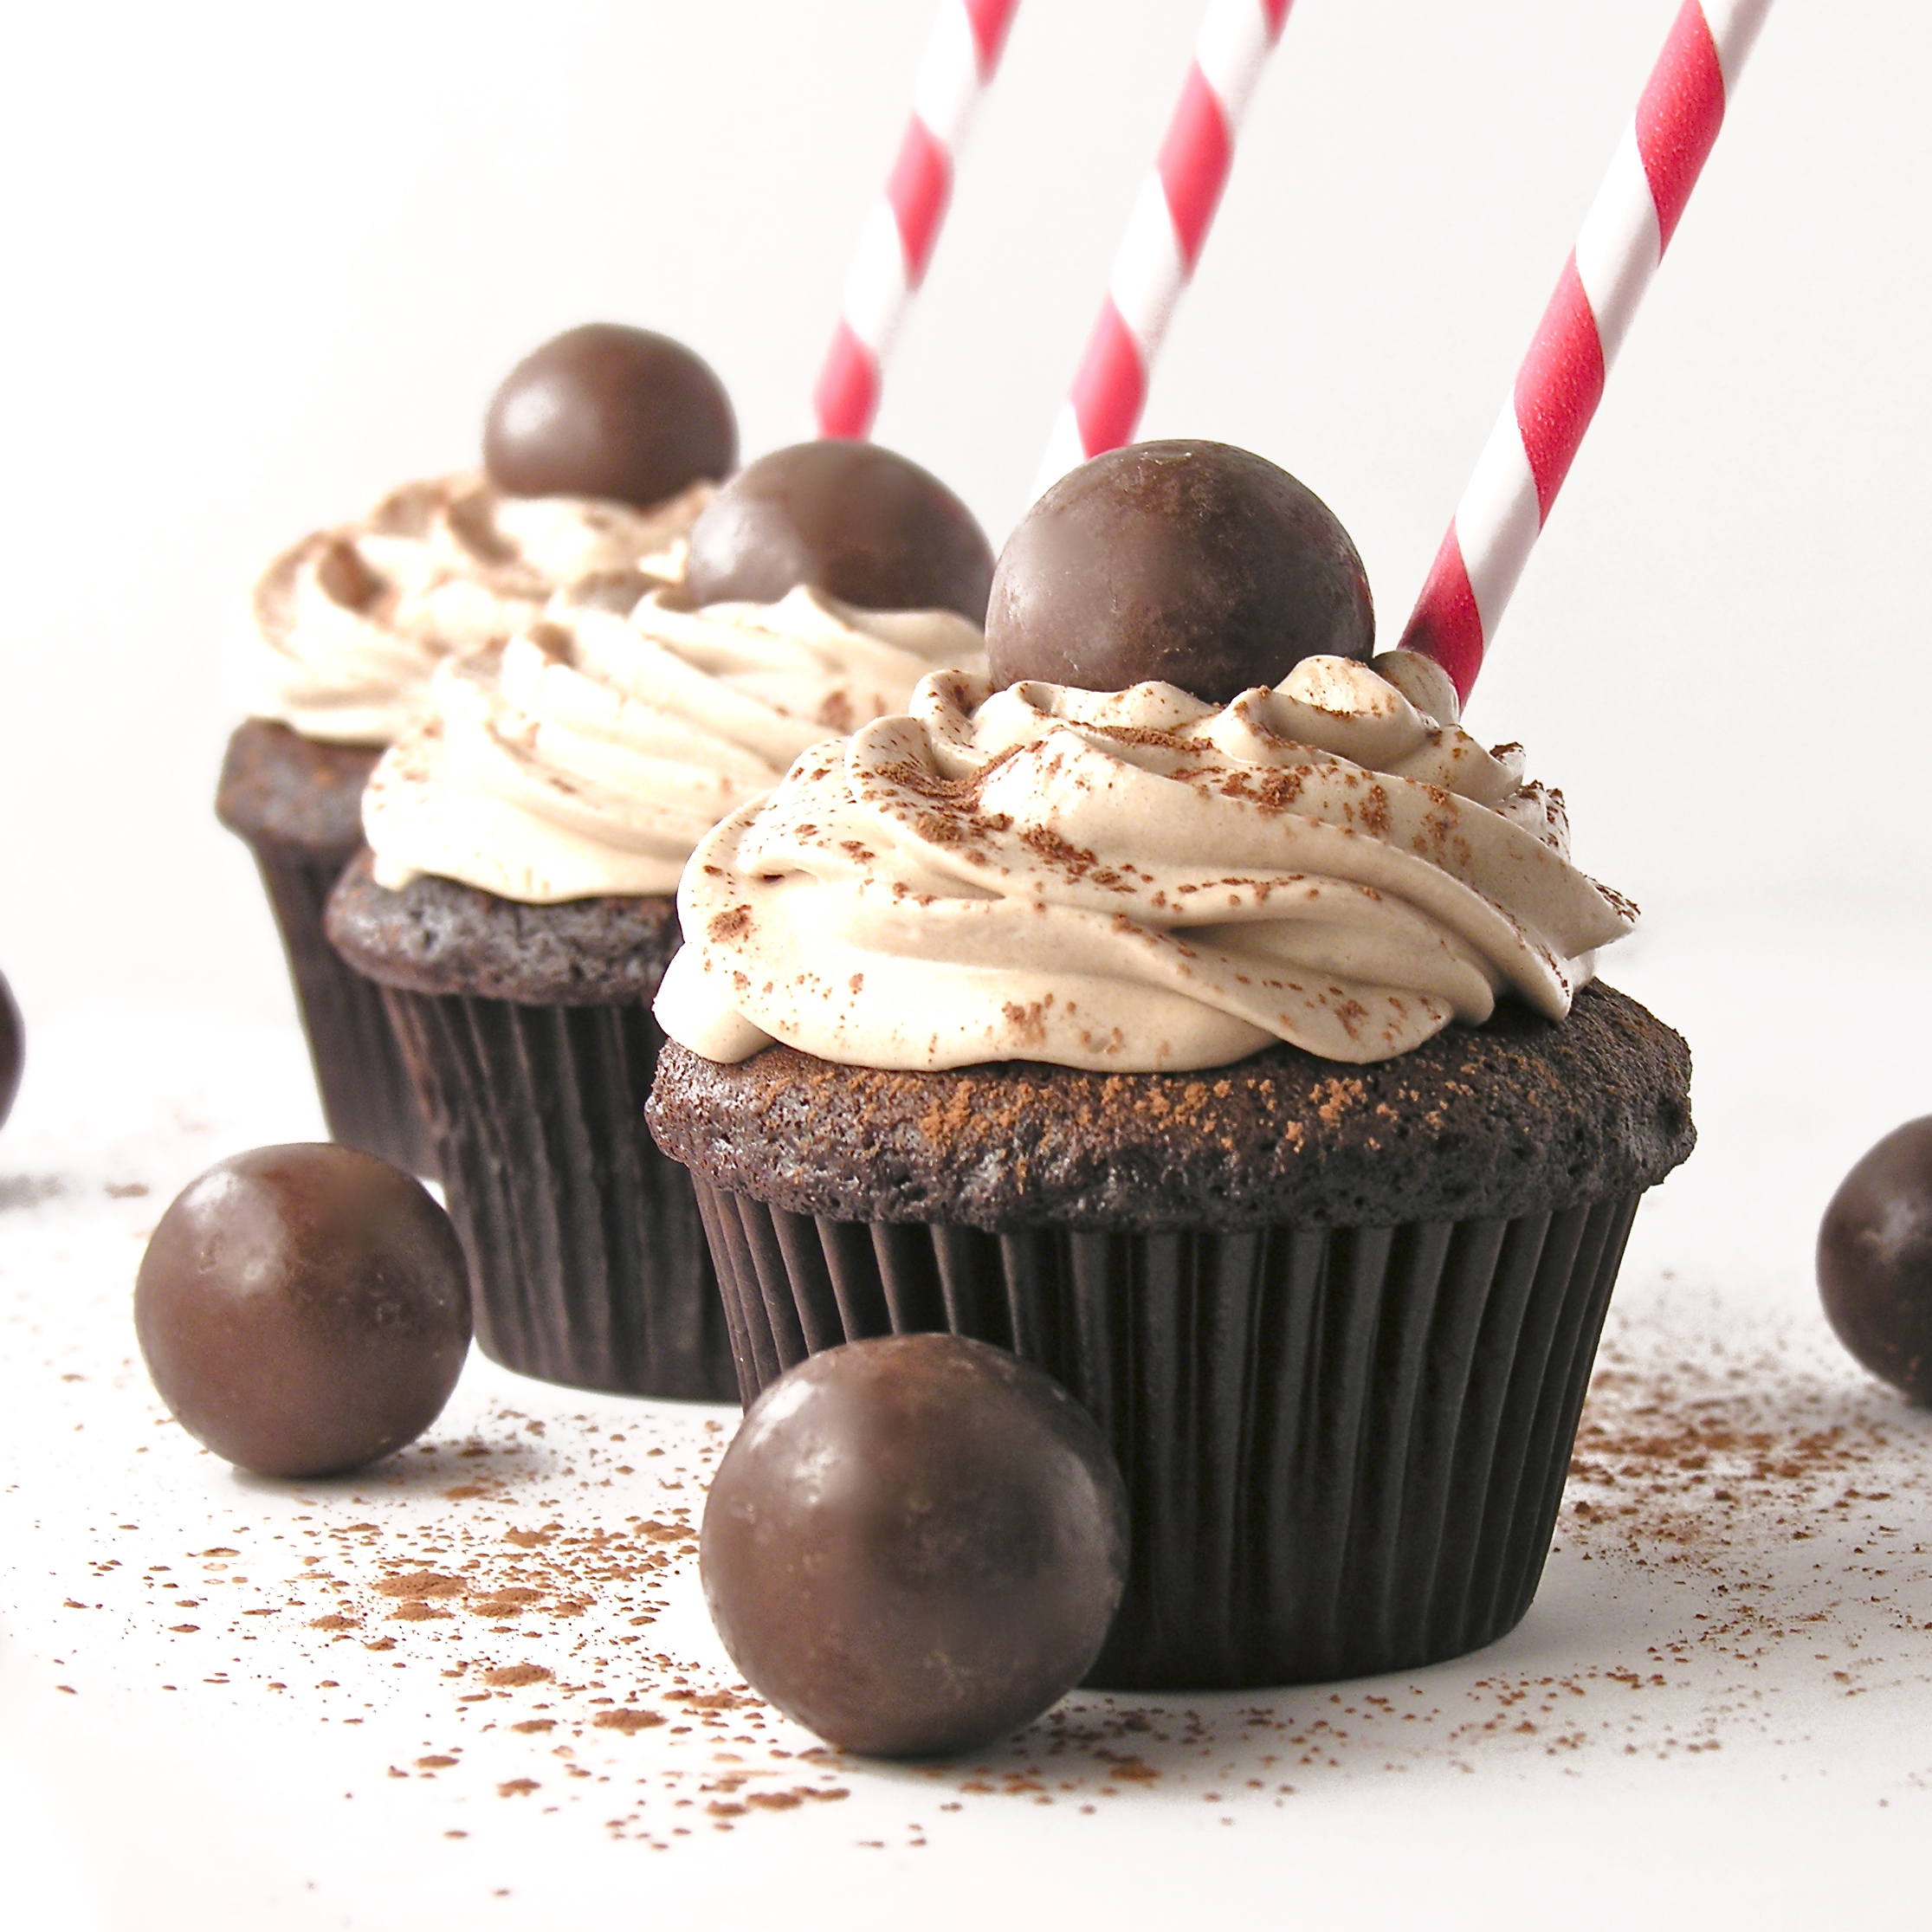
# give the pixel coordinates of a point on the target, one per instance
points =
(1557, 390)
(1165, 234)
(896, 244)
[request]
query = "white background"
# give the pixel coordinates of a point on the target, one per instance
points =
(266, 261)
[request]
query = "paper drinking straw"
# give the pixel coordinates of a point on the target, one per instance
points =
(1164, 232)
(1630, 224)
(896, 244)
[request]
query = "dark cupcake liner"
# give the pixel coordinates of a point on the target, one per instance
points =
(1344, 1448)
(588, 1263)
(367, 1096)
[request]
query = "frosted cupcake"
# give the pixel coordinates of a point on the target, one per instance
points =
(515, 907)
(1233, 1052)
(348, 626)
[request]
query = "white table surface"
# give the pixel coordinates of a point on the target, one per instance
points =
(1718, 1712)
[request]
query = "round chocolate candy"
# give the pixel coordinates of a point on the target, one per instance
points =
(915, 1545)
(1195, 564)
(1874, 1260)
(303, 1309)
(13, 1049)
(868, 527)
(606, 410)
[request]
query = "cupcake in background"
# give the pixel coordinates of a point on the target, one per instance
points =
(349, 625)
(515, 905)
(1207, 1018)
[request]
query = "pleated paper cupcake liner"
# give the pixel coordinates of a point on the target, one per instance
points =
(588, 1261)
(368, 1098)
(1345, 1448)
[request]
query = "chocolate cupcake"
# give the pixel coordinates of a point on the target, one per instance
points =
(529, 1032)
(1337, 1324)
(515, 911)
(602, 448)
(1237, 1062)
(348, 628)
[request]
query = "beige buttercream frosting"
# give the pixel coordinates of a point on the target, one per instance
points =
(350, 625)
(1135, 881)
(591, 753)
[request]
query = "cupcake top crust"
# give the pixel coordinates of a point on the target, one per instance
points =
(440, 936)
(281, 789)
(1519, 1116)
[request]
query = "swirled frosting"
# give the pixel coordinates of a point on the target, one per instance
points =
(1133, 881)
(589, 754)
(351, 623)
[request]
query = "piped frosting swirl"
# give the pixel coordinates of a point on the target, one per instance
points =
(350, 625)
(591, 752)
(1135, 881)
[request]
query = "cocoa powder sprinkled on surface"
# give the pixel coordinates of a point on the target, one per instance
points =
(1741, 1547)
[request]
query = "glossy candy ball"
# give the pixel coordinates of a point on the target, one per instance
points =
(606, 410)
(13, 1049)
(303, 1309)
(851, 519)
(1196, 564)
(915, 1545)
(1874, 1260)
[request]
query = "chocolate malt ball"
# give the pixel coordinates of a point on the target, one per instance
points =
(13, 1049)
(1194, 564)
(915, 1545)
(606, 410)
(869, 527)
(303, 1309)
(1874, 1260)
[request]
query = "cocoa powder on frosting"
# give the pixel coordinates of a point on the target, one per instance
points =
(591, 752)
(348, 626)
(1133, 881)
